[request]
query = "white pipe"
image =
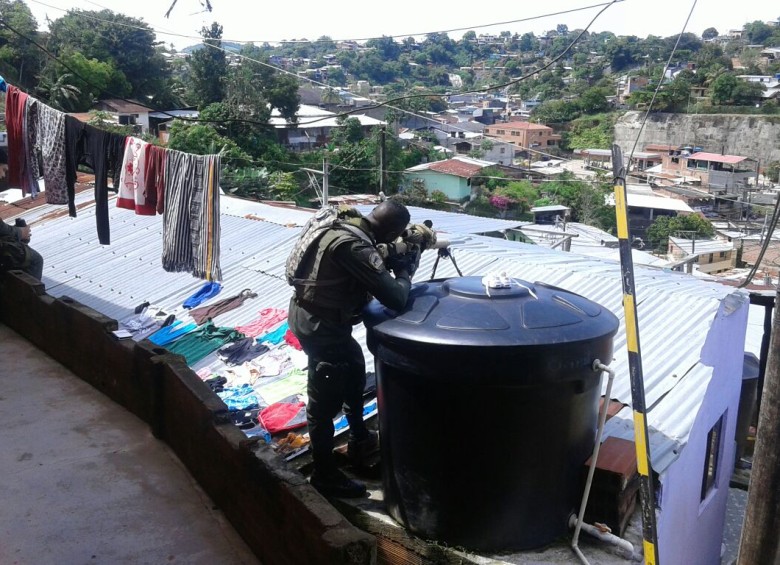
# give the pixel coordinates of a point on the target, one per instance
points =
(605, 536)
(579, 524)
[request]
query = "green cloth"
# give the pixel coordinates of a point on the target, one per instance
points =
(206, 339)
(293, 383)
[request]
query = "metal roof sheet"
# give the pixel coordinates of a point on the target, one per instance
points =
(452, 222)
(701, 246)
(657, 202)
(717, 158)
(114, 279)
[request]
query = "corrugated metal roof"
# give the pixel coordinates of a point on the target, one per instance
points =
(717, 158)
(701, 246)
(656, 202)
(451, 222)
(114, 279)
(282, 215)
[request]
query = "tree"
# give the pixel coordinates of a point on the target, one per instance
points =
(756, 32)
(128, 44)
(622, 52)
(728, 89)
(664, 226)
(722, 88)
(61, 94)
(80, 82)
(203, 139)
(709, 33)
(773, 171)
(593, 101)
(20, 60)
(208, 68)
(254, 88)
(522, 194)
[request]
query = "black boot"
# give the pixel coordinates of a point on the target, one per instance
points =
(336, 483)
(359, 452)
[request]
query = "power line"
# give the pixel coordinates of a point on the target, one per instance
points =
(388, 103)
(661, 81)
(499, 86)
(304, 41)
(255, 122)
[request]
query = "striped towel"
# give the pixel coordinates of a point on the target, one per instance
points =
(191, 215)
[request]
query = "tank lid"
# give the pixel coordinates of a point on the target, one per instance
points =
(470, 311)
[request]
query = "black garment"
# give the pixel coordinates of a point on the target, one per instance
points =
(102, 151)
(337, 377)
(323, 325)
(241, 351)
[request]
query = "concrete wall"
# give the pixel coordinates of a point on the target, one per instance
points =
(750, 136)
(281, 517)
(691, 530)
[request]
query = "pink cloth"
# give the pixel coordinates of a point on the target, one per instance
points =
(269, 319)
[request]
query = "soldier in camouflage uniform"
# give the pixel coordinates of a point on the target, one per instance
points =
(337, 277)
(16, 254)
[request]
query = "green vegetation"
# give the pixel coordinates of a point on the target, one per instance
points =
(665, 226)
(110, 55)
(591, 132)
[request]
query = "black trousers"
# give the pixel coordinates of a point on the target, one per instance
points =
(336, 380)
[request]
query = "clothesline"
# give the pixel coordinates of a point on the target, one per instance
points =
(182, 187)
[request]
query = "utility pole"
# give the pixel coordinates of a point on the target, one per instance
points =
(641, 443)
(760, 542)
(325, 182)
(382, 160)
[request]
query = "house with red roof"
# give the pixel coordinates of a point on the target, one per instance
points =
(452, 176)
(715, 172)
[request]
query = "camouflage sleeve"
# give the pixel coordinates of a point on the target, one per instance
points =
(363, 262)
(8, 231)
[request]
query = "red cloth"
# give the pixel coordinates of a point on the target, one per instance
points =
(282, 416)
(291, 340)
(154, 174)
(15, 100)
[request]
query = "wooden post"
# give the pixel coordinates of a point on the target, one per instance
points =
(760, 541)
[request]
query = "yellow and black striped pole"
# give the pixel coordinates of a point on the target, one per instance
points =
(646, 496)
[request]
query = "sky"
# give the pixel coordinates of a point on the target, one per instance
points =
(258, 21)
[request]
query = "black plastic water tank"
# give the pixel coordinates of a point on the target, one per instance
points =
(488, 406)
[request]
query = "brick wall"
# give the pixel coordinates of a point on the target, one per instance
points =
(281, 517)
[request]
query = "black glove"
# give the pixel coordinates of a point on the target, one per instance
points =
(405, 263)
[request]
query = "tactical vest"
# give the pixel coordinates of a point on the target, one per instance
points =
(316, 279)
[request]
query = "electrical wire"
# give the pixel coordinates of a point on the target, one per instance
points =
(388, 103)
(770, 231)
(661, 81)
(489, 88)
(305, 41)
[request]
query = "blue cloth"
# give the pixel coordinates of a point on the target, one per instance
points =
(171, 333)
(208, 290)
(275, 337)
(239, 398)
(3, 85)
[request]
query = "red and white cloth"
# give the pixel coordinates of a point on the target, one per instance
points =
(132, 180)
